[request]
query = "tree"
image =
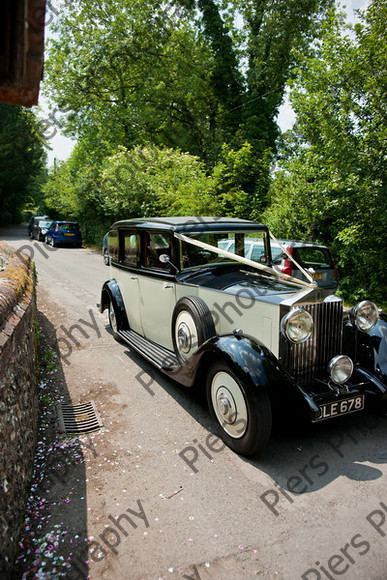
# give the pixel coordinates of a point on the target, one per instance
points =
(332, 182)
(241, 180)
(151, 181)
(143, 181)
(140, 71)
(127, 73)
(201, 77)
(21, 160)
(277, 34)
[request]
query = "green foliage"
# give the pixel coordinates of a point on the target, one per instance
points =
(184, 75)
(142, 79)
(144, 181)
(277, 34)
(332, 182)
(127, 74)
(241, 181)
(149, 181)
(22, 159)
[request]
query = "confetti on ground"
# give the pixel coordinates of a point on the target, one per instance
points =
(48, 550)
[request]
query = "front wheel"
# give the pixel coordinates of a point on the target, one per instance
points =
(242, 413)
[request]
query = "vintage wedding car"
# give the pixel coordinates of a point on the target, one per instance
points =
(253, 338)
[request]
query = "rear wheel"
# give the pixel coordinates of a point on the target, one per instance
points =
(242, 413)
(192, 324)
(113, 320)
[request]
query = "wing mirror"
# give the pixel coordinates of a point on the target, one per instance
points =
(165, 259)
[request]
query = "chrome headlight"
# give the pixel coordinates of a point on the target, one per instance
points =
(297, 325)
(340, 369)
(365, 315)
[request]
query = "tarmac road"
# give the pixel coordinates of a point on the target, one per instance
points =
(312, 505)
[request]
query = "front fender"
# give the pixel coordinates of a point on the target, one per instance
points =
(368, 350)
(251, 362)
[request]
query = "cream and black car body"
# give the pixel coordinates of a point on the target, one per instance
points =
(253, 339)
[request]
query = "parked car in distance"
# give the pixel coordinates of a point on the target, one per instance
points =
(105, 250)
(34, 220)
(313, 257)
(64, 233)
(39, 229)
(254, 339)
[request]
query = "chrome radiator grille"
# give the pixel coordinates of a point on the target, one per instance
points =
(309, 360)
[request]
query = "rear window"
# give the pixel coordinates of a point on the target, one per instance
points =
(317, 258)
(68, 226)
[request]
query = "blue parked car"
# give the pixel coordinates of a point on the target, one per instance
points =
(64, 232)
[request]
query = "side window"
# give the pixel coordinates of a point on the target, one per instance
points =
(113, 244)
(130, 248)
(155, 245)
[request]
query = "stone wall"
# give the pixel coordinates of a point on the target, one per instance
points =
(18, 397)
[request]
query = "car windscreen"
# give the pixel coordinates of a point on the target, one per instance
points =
(316, 258)
(235, 242)
(44, 224)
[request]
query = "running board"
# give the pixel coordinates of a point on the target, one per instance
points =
(159, 356)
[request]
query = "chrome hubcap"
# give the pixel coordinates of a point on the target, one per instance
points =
(226, 406)
(184, 338)
(186, 334)
(229, 404)
(112, 318)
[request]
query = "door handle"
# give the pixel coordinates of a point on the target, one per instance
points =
(133, 277)
(166, 285)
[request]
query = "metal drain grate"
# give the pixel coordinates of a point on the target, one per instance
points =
(82, 418)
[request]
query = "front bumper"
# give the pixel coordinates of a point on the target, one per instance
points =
(322, 393)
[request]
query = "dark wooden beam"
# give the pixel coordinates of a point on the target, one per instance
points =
(21, 51)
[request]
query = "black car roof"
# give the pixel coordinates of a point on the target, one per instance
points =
(189, 223)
